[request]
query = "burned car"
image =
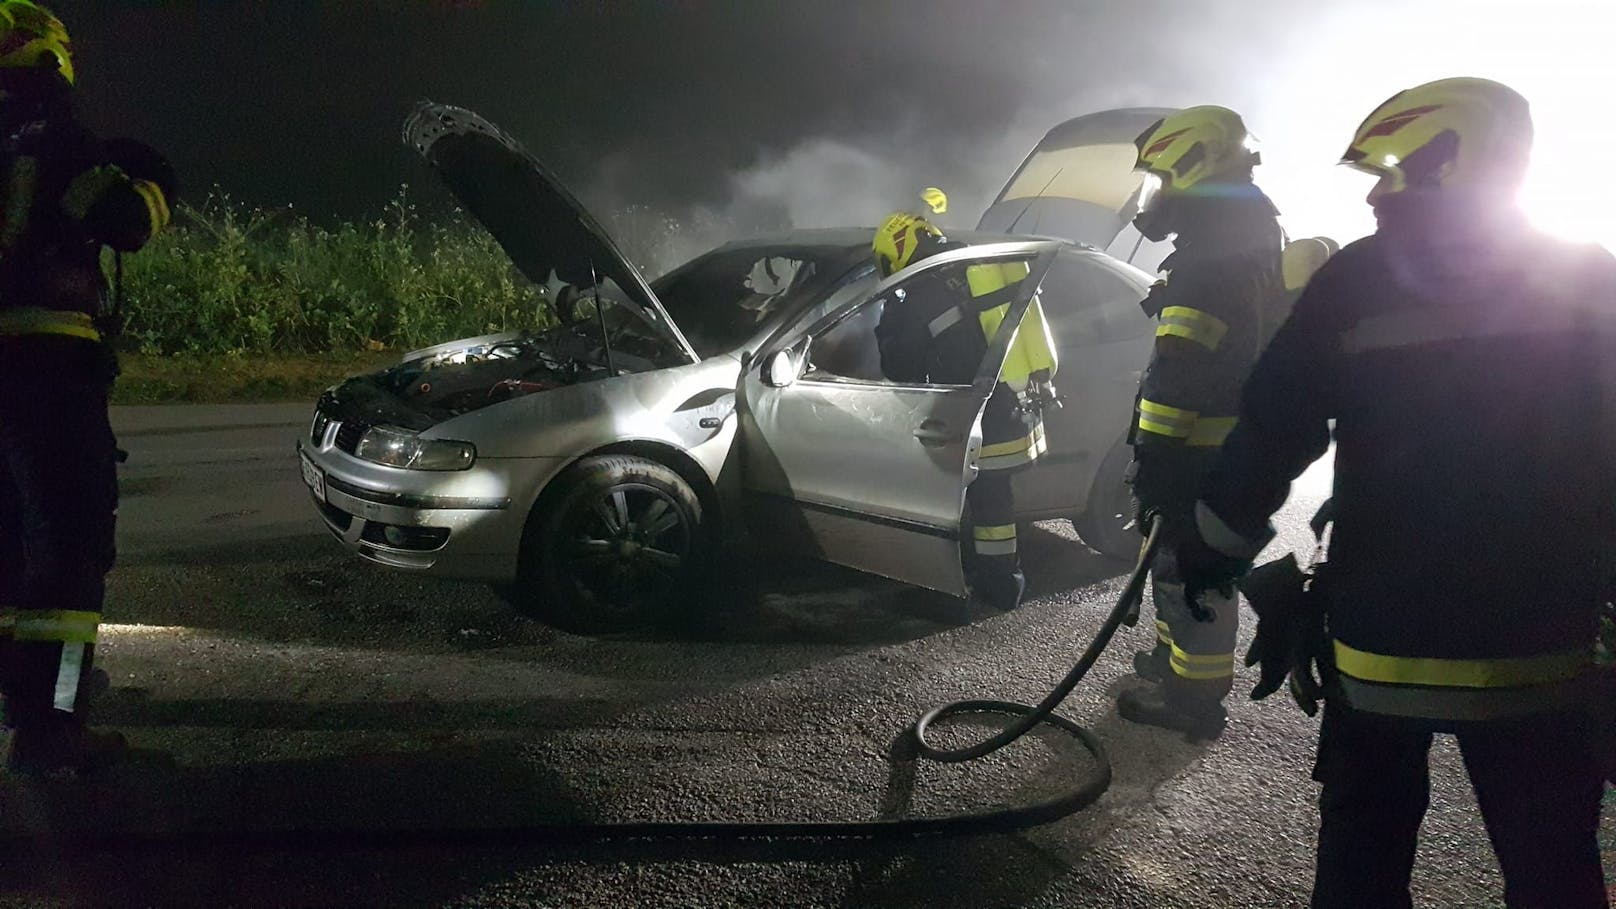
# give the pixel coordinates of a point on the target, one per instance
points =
(593, 469)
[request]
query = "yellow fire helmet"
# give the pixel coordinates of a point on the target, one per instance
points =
(1187, 147)
(30, 37)
(1449, 133)
(935, 199)
(899, 237)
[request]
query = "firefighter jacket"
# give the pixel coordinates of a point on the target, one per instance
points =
(1475, 467)
(936, 328)
(64, 194)
(1213, 304)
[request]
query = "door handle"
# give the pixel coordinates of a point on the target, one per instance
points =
(934, 434)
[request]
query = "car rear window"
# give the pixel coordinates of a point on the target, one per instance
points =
(1087, 302)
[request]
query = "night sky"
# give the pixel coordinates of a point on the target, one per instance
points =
(761, 111)
(662, 102)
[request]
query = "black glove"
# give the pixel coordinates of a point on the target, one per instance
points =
(1164, 483)
(1201, 567)
(1291, 643)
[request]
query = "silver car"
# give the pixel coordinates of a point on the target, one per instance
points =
(593, 470)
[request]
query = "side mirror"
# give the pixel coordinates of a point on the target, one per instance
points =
(780, 369)
(783, 367)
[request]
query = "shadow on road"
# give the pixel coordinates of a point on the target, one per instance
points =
(302, 590)
(250, 833)
(798, 600)
(443, 825)
(129, 707)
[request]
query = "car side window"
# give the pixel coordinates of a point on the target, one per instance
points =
(1088, 303)
(848, 350)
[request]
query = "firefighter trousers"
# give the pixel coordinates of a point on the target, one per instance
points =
(58, 506)
(1009, 444)
(993, 524)
(1200, 653)
(1535, 778)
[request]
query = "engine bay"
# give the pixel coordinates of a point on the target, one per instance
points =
(452, 380)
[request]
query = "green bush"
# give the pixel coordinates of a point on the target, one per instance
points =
(227, 279)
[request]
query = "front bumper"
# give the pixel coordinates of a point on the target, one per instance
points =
(459, 524)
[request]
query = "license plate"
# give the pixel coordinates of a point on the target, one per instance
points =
(313, 476)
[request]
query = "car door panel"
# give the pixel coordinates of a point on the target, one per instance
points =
(865, 475)
(870, 474)
(1104, 339)
(1097, 386)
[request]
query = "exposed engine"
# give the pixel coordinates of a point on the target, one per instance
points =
(461, 376)
(453, 382)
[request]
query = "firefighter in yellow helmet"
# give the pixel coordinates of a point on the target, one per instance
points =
(939, 332)
(1213, 305)
(1466, 363)
(64, 195)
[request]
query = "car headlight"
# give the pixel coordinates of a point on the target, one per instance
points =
(401, 448)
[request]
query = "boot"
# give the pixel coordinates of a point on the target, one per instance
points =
(52, 744)
(1193, 707)
(1155, 664)
(1000, 590)
(63, 750)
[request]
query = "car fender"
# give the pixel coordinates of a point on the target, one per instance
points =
(686, 409)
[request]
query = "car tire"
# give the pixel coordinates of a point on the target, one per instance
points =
(617, 543)
(1104, 524)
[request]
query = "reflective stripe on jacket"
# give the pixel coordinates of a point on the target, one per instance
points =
(1460, 690)
(33, 321)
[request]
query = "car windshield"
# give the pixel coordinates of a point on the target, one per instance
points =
(721, 299)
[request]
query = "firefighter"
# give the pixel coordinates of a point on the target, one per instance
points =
(1467, 363)
(64, 195)
(1213, 305)
(939, 331)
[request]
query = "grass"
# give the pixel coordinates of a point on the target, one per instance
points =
(231, 378)
(233, 303)
(240, 304)
(225, 280)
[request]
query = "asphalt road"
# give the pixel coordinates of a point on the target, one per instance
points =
(279, 688)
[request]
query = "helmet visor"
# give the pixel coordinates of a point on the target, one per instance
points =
(1149, 194)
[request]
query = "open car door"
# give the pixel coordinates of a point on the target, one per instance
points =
(864, 472)
(1078, 183)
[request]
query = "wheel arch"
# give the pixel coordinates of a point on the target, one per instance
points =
(680, 462)
(669, 456)
(1096, 529)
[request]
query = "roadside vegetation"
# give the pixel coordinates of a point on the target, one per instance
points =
(235, 303)
(229, 280)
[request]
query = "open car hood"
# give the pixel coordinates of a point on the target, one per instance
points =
(546, 232)
(1078, 183)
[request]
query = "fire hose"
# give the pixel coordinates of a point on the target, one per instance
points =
(1000, 820)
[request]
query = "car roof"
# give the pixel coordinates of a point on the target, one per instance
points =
(858, 238)
(851, 245)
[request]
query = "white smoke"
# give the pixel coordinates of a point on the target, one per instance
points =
(822, 182)
(1303, 75)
